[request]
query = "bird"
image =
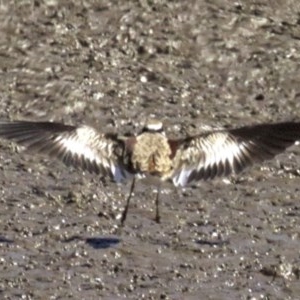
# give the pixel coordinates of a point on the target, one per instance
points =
(150, 153)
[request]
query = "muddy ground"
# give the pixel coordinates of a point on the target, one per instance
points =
(112, 64)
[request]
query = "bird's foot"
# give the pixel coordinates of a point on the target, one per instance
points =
(157, 219)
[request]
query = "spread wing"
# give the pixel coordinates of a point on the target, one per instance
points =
(222, 152)
(81, 146)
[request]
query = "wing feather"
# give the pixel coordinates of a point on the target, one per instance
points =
(223, 152)
(82, 146)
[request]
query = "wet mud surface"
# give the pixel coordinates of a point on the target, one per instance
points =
(112, 64)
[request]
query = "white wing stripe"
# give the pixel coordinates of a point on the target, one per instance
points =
(182, 177)
(222, 151)
(76, 147)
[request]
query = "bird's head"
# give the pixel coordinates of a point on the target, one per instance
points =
(153, 126)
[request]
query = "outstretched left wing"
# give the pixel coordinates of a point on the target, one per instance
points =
(81, 146)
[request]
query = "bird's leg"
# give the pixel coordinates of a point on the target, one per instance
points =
(157, 215)
(124, 214)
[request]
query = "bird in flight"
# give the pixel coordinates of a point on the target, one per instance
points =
(210, 154)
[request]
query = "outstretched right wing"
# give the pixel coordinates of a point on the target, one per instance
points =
(222, 152)
(81, 146)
